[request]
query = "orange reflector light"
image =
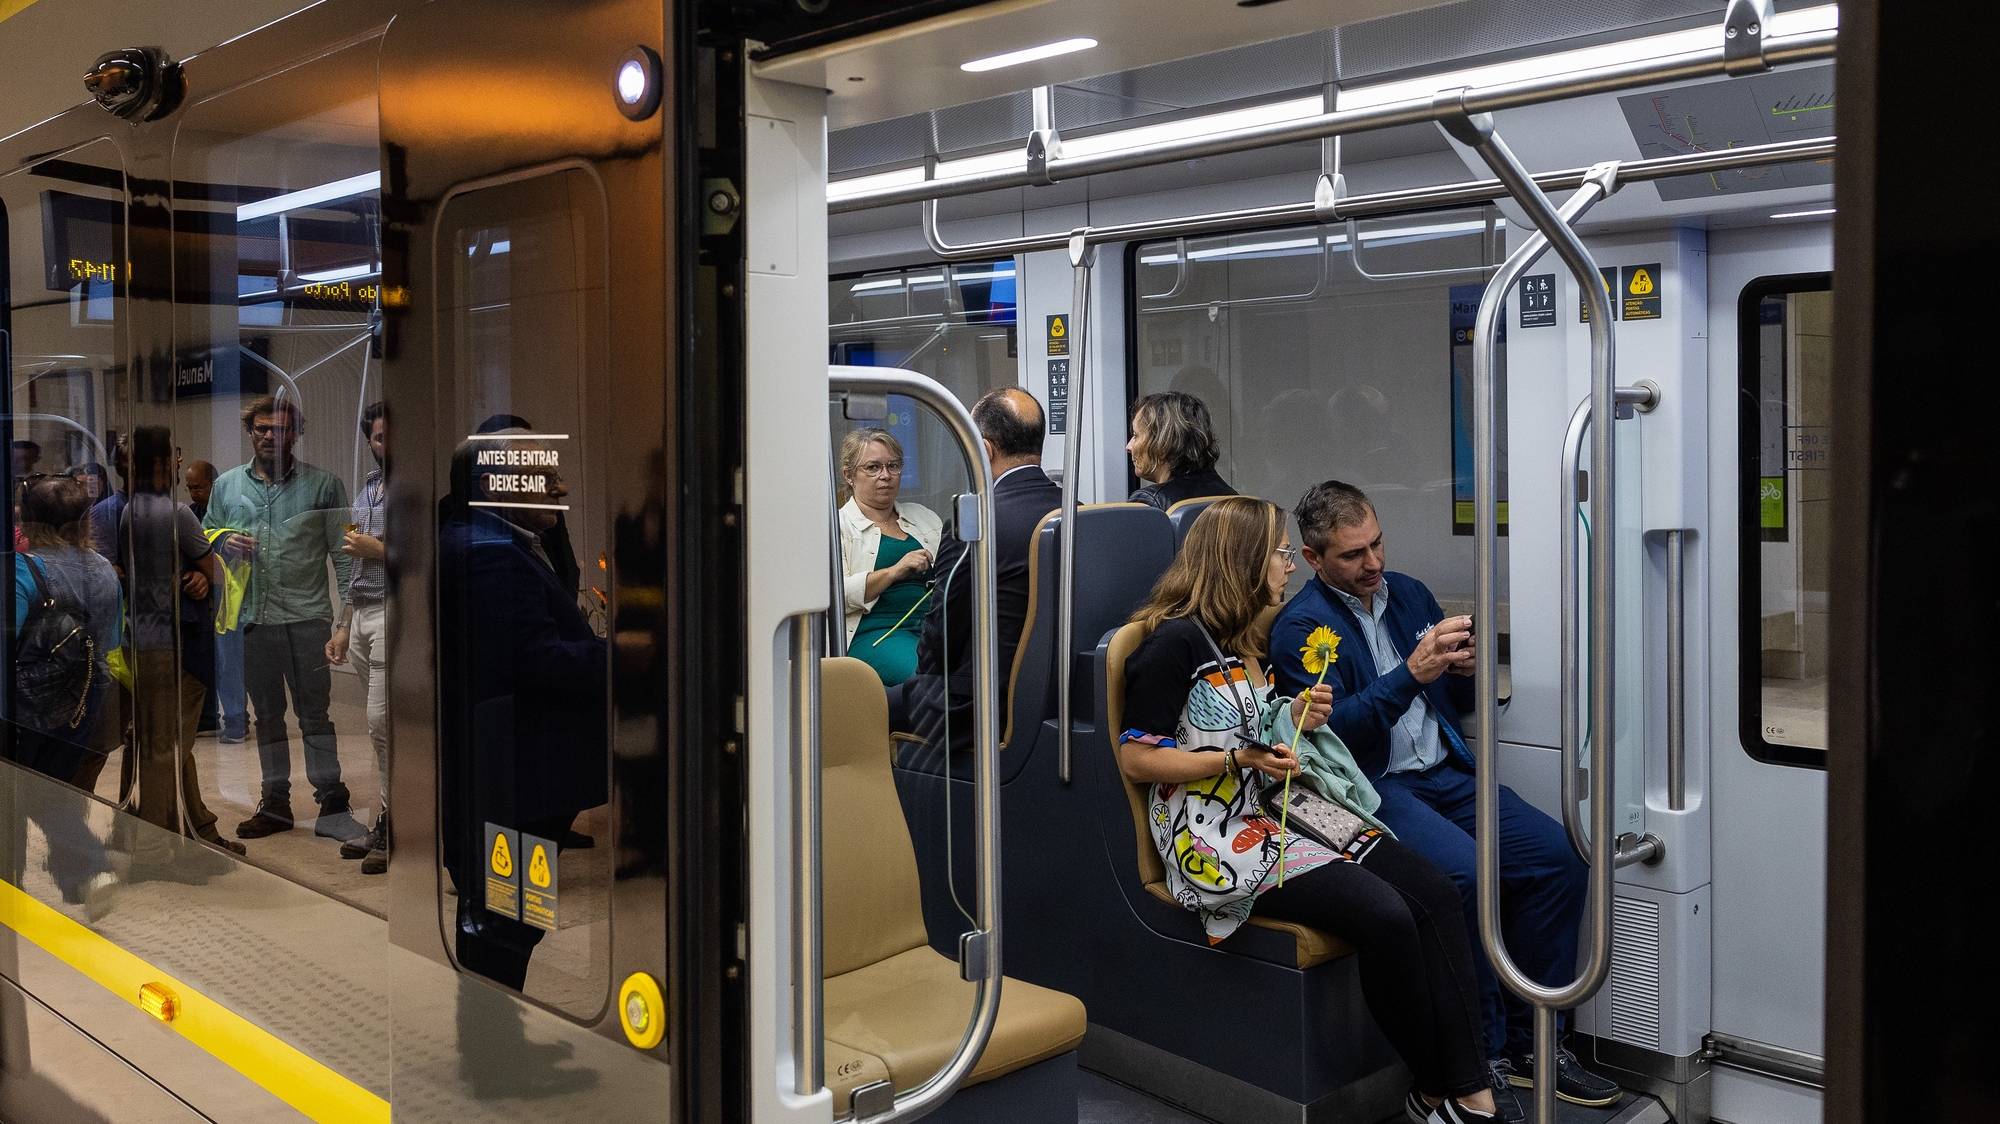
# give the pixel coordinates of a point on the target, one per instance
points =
(158, 1002)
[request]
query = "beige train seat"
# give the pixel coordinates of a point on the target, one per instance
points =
(895, 1008)
(1314, 946)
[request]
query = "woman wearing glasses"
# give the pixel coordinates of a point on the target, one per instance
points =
(885, 555)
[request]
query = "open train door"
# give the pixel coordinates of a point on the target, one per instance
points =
(565, 609)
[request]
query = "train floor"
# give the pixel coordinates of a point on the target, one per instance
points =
(1104, 1101)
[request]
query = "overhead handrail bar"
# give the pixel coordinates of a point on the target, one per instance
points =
(1402, 201)
(1626, 849)
(1553, 229)
(979, 950)
(1082, 257)
(808, 940)
(1726, 58)
(1321, 275)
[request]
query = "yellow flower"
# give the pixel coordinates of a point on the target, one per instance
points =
(1322, 650)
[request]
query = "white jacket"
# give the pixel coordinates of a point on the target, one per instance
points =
(860, 539)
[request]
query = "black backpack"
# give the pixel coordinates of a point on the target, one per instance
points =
(55, 661)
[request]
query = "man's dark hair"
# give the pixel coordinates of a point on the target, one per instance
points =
(1011, 419)
(54, 501)
(152, 448)
(1327, 507)
(375, 412)
(266, 406)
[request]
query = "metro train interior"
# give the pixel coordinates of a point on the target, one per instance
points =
(625, 285)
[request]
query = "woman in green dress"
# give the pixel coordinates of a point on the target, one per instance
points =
(885, 554)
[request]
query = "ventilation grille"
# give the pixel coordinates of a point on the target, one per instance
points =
(1635, 972)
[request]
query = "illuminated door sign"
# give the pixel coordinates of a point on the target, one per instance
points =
(518, 470)
(83, 269)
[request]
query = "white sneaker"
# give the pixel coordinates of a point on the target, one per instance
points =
(1451, 1112)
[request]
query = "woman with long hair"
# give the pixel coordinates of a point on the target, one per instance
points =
(1205, 733)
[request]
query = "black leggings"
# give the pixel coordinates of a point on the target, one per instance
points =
(1403, 916)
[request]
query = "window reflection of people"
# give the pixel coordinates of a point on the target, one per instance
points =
(173, 581)
(523, 687)
(105, 512)
(53, 509)
(288, 518)
(199, 480)
(26, 455)
(362, 631)
(1173, 449)
(886, 549)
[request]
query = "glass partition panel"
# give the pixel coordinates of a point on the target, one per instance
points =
(62, 325)
(1314, 370)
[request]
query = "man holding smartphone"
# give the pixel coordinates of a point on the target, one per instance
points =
(1401, 676)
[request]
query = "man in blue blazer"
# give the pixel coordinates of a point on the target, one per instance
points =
(1401, 675)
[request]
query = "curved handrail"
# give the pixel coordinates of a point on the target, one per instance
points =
(981, 966)
(1466, 272)
(1625, 852)
(1553, 229)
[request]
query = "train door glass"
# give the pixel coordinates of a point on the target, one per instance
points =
(523, 541)
(62, 335)
(1786, 456)
(276, 360)
(1314, 370)
(955, 323)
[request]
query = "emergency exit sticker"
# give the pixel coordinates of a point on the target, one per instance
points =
(503, 871)
(1641, 292)
(540, 885)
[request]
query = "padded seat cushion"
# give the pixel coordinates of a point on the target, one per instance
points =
(908, 1012)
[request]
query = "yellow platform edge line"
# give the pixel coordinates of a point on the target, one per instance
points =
(275, 1065)
(11, 8)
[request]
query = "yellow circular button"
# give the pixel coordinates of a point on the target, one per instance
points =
(642, 1010)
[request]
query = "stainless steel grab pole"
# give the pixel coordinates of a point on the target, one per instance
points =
(808, 972)
(836, 636)
(1676, 672)
(1713, 62)
(1626, 850)
(1470, 193)
(1082, 257)
(1552, 229)
(980, 950)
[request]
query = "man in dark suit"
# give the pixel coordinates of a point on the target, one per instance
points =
(524, 681)
(1011, 423)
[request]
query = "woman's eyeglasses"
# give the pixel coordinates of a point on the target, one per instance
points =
(1288, 553)
(879, 469)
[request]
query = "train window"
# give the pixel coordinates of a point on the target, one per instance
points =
(1784, 332)
(954, 322)
(277, 265)
(523, 666)
(62, 223)
(1315, 368)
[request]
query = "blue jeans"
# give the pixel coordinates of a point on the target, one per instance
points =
(1542, 885)
(229, 692)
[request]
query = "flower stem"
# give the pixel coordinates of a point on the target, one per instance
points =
(1285, 802)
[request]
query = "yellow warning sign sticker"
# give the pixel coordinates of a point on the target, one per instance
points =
(1641, 292)
(539, 893)
(1058, 336)
(503, 878)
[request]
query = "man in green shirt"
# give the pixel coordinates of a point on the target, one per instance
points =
(289, 519)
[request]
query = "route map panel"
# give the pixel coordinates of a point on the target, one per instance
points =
(1718, 116)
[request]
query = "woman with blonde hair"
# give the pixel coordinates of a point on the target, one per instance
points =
(885, 555)
(1205, 732)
